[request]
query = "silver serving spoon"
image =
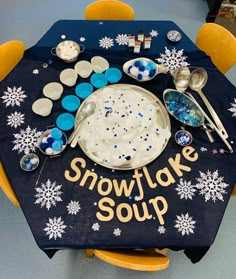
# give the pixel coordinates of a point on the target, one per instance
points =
(181, 78)
(88, 109)
(197, 80)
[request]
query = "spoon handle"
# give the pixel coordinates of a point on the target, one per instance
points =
(214, 115)
(73, 134)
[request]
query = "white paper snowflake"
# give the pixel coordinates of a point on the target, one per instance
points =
(172, 59)
(55, 228)
(122, 39)
(27, 140)
(35, 71)
(15, 119)
(161, 229)
(117, 232)
(233, 108)
(154, 33)
(106, 42)
(73, 207)
(185, 224)
(96, 227)
(185, 189)
(48, 194)
(211, 185)
(13, 96)
(82, 39)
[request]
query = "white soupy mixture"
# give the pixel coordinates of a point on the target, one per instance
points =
(124, 129)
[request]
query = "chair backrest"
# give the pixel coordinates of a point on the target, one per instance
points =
(11, 53)
(109, 10)
(219, 43)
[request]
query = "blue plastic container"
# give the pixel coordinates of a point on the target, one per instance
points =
(70, 103)
(98, 80)
(113, 75)
(65, 121)
(83, 90)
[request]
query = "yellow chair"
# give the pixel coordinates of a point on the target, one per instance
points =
(143, 260)
(11, 53)
(219, 44)
(109, 10)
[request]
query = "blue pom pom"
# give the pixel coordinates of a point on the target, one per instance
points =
(140, 76)
(141, 68)
(50, 140)
(129, 68)
(63, 138)
(56, 146)
(56, 133)
(137, 63)
(43, 146)
(152, 73)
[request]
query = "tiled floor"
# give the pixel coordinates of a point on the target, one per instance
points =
(19, 255)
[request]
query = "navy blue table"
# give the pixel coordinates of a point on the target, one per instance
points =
(177, 201)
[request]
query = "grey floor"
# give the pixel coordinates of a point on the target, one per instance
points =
(19, 255)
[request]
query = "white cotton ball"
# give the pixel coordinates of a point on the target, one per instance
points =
(134, 71)
(49, 151)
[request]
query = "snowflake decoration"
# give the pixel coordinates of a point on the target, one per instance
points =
(96, 227)
(122, 39)
(222, 151)
(211, 185)
(154, 33)
(27, 140)
(172, 60)
(233, 108)
(106, 42)
(13, 96)
(55, 228)
(117, 232)
(203, 149)
(161, 229)
(185, 224)
(15, 119)
(137, 198)
(35, 71)
(185, 189)
(82, 39)
(63, 36)
(48, 194)
(214, 151)
(73, 207)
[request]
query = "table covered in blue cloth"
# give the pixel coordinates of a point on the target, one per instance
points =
(177, 201)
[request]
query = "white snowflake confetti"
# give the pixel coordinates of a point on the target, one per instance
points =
(96, 227)
(73, 207)
(48, 194)
(233, 108)
(185, 189)
(55, 228)
(27, 140)
(185, 224)
(15, 119)
(82, 39)
(161, 229)
(106, 42)
(172, 59)
(122, 39)
(154, 33)
(203, 149)
(117, 232)
(13, 96)
(35, 71)
(211, 185)
(63, 37)
(137, 198)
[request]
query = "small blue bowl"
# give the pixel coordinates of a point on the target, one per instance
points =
(98, 80)
(83, 90)
(65, 121)
(183, 137)
(70, 103)
(113, 75)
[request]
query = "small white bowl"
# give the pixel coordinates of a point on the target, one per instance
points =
(42, 106)
(68, 77)
(99, 64)
(53, 90)
(83, 68)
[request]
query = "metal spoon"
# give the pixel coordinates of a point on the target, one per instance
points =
(198, 79)
(88, 109)
(181, 78)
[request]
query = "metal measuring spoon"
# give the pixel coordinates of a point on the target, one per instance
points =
(181, 78)
(197, 80)
(88, 109)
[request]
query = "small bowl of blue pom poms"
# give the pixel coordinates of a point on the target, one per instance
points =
(52, 142)
(143, 69)
(29, 162)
